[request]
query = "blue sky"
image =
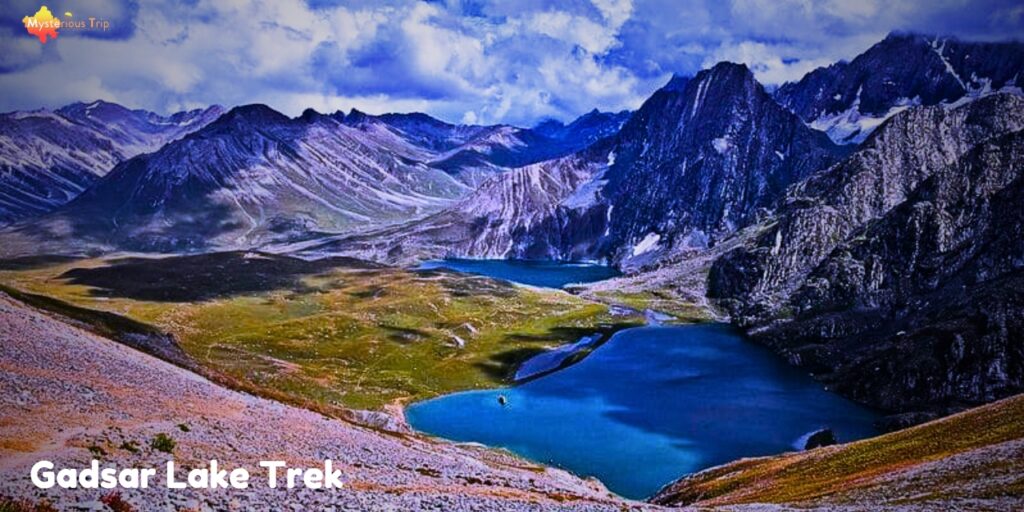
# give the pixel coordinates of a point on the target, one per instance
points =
(480, 61)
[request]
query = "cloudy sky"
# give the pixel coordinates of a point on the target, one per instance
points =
(483, 61)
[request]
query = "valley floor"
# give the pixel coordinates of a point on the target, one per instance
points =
(69, 396)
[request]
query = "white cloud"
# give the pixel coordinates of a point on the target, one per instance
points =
(486, 61)
(769, 64)
(615, 12)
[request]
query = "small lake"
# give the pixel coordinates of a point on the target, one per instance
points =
(649, 406)
(548, 274)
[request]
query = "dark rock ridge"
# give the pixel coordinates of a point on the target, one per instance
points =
(820, 438)
(701, 159)
(849, 99)
(47, 158)
(896, 275)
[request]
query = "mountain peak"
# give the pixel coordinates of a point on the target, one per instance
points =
(311, 115)
(677, 83)
(253, 113)
(900, 36)
(82, 109)
(356, 116)
(728, 71)
(548, 126)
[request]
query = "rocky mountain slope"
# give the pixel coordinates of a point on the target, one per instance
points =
(894, 273)
(850, 99)
(72, 396)
(498, 220)
(474, 153)
(254, 175)
(49, 157)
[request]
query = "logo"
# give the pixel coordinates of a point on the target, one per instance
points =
(44, 25)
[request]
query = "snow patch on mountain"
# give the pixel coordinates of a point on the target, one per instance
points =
(588, 195)
(721, 145)
(648, 244)
(852, 127)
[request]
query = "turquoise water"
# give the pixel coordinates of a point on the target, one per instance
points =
(549, 274)
(649, 406)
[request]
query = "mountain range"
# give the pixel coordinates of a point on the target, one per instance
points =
(254, 176)
(864, 221)
(49, 157)
(696, 161)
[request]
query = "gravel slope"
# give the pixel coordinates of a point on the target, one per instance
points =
(66, 394)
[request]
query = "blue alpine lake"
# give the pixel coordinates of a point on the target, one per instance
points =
(648, 406)
(549, 274)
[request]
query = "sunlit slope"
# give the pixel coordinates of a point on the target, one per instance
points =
(973, 460)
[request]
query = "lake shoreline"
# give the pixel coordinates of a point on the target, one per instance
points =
(730, 399)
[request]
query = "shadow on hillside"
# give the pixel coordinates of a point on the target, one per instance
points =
(502, 366)
(35, 262)
(204, 276)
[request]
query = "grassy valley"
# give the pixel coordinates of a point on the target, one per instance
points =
(330, 333)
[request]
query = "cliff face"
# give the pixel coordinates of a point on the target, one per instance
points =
(895, 274)
(702, 158)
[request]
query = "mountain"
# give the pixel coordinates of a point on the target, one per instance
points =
(585, 130)
(474, 153)
(895, 275)
(49, 157)
(136, 131)
(850, 99)
(421, 129)
(702, 158)
(498, 220)
(698, 160)
(495, 149)
(252, 176)
(255, 176)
